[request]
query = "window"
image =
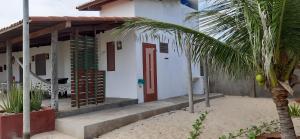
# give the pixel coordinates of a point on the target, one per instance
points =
(40, 64)
(185, 2)
(201, 69)
(163, 48)
(110, 50)
(190, 3)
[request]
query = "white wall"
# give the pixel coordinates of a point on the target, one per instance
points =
(166, 10)
(123, 81)
(64, 68)
(171, 72)
(120, 8)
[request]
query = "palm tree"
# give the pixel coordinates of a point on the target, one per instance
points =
(206, 81)
(242, 38)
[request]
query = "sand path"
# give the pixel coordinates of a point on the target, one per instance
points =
(226, 114)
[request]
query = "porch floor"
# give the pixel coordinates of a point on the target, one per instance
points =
(65, 109)
(93, 124)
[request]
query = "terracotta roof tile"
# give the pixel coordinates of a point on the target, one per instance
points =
(38, 23)
(35, 19)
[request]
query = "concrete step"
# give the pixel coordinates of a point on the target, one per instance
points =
(108, 104)
(90, 125)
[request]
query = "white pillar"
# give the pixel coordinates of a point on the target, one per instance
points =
(26, 72)
(8, 66)
(54, 79)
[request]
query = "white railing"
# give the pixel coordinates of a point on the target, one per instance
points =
(44, 85)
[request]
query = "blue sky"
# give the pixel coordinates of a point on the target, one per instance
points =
(11, 10)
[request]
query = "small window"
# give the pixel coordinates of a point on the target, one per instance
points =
(110, 50)
(40, 64)
(163, 48)
(201, 69)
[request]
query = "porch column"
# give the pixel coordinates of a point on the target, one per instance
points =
(8, 66)
(26, 71)
(54, 79)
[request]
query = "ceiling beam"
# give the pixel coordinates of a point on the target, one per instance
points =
(93, 27)
(44, 31)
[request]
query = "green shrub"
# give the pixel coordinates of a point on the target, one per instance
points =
(294, 110)
(197, 126)
(254, 131)
(13, 101)
(36, 98)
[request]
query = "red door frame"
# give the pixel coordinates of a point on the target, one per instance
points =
(151, 97)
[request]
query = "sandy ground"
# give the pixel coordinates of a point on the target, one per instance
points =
(52, 135)
(225, 115)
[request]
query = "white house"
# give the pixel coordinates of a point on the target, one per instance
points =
(146, 71)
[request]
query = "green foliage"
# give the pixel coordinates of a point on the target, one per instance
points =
(254, 131)
(36, 97)
(239, 37)
(197, 126)
(13, 101)
(223, 57)
(294, 110)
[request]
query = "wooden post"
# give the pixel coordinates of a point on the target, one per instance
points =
(86, 72)
(96, 68)
(189, 79)
(26, 71)
(76, 38)
(54, 78)
(8, 66)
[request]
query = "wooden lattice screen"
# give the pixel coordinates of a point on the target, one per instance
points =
(87, 83)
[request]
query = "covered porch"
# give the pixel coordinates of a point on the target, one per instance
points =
(64, 60)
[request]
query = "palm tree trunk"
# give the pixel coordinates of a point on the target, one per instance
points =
(206, 82)
(189, 80)
(286, 124)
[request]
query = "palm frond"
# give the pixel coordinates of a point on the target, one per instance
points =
(231, 60)
(290, 32)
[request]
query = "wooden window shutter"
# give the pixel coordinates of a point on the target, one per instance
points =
(111, 56)
(40, 64)
(163, 48)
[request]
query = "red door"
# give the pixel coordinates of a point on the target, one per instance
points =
(150, 72)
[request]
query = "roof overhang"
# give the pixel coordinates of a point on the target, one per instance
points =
(94, 5)
(41, 28)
